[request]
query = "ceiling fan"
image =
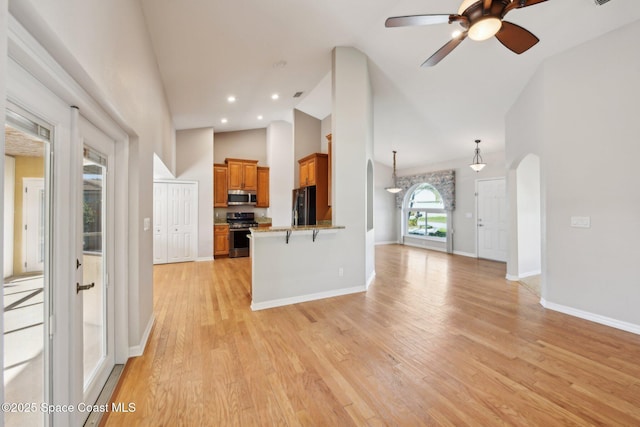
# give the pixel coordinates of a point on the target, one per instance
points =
(480, 20)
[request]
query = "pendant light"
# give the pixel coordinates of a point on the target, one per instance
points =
(395, 188)
(477, 164)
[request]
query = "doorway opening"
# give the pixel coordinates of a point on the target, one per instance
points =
(529, 223)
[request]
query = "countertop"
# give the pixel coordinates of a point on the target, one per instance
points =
(296, 228)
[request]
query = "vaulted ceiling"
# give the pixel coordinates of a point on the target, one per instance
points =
(208, 50)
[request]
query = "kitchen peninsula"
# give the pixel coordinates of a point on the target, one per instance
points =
(296, 264)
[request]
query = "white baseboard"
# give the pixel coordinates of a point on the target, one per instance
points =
(137, 350)
(603, 320)
(512, 278)
(205, 258)
(305, 298)
(370, 280)
(530, 273)
(390, 242)
(431, 248)
(467, 254)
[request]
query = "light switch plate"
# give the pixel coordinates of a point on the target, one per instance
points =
(581, 221)
(147, 224)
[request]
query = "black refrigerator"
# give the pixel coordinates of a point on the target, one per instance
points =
(304, 206)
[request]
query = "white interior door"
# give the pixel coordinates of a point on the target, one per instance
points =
(33, 219)
(160, 226)
(182, 201)
(95, 254)
(492, 219)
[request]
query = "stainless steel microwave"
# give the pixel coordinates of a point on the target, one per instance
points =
(241, 197)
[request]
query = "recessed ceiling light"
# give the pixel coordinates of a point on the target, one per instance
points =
(223, 121)
(259, 117)
(231, 98)
(275, 96)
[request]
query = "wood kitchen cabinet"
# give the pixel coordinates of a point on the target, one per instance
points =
(220, 240)
(313, 169)
(262, 197)
(242, 174)
(219, 186)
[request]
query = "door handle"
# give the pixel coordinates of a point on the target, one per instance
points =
(80, 287)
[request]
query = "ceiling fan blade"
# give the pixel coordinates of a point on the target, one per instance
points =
(519, 4)
(516, 38)
(405, 21)
(444, 51)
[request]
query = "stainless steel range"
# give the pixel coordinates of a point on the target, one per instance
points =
(239, 224)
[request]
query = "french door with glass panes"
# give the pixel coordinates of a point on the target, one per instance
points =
(27, 282)
(94, 260)
(58, 293)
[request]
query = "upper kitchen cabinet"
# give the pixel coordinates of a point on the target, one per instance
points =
(262, 200)
(219, 186)
(242, 174)
(313, 169)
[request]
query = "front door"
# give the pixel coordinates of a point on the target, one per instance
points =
(492, 219)
(95, 261)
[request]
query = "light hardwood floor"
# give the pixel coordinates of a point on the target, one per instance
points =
(437, 340)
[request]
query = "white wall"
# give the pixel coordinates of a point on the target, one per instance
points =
(587, 137)
(306, 139)
(352, 148)
(105, 47)
(244, 144)
(281, 167)
(464, 215)
(194, 162)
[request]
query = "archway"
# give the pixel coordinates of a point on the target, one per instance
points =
(526, 258)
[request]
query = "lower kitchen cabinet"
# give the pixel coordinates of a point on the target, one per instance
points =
(220, 240)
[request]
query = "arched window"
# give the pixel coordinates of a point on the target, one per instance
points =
(424, 214)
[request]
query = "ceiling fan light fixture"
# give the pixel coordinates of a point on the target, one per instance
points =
(485, 28)
(465, 5)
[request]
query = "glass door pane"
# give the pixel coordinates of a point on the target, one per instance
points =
(94, 263)
(26, 277)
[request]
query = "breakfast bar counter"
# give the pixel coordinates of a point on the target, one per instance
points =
(298, 263)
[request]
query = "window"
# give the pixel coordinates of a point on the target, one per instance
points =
(425, 215)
